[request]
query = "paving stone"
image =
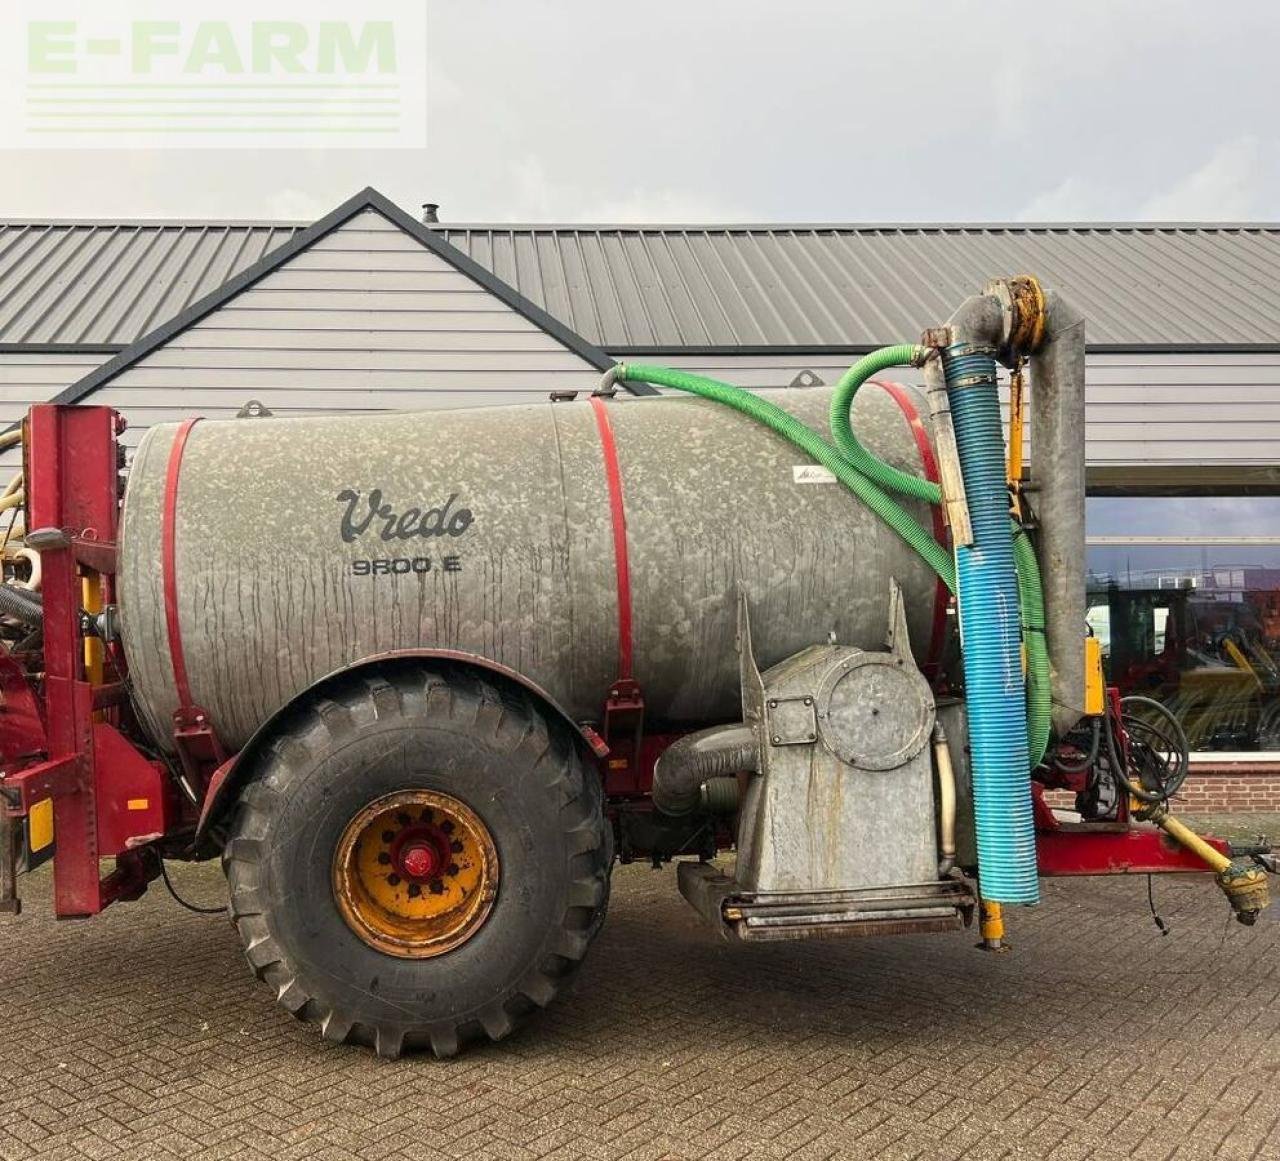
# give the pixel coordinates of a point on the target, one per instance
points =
(141, 1035)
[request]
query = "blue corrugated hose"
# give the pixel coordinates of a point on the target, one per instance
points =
(987, 598)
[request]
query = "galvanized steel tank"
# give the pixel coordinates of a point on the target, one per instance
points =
(305, 545)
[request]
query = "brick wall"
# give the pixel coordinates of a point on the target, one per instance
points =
(1244, 786)
(1213, 789)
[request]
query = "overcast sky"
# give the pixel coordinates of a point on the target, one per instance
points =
(788, 110)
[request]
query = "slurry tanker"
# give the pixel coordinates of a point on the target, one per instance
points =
(420, 680)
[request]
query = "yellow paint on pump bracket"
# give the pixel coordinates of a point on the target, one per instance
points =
(1095, 686)
(992, 925)
(40, 825)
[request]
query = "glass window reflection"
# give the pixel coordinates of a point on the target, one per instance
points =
(1184, 594)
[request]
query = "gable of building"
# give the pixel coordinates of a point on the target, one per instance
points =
(364, 311)
(365, 319)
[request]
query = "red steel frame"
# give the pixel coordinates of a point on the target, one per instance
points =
(62, 735)
(109, 800)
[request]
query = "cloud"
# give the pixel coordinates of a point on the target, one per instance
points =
(1075, 199)
(533, 194)
(295, 205)
(664, 205)
(1227, 187)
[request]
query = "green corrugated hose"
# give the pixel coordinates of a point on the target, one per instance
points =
(870, 478)
(1031, 609)
(1030, 590)
(886, 475)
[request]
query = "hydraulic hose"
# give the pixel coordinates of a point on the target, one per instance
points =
(988, 603)
(813, 445)
(21, 604)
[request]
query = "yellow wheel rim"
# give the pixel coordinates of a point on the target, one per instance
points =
(415, 874)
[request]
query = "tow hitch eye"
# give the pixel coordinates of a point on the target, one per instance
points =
(1245, 886)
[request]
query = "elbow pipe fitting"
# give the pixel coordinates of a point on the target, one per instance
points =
(685, 765)
(608, 385)
(978, 321)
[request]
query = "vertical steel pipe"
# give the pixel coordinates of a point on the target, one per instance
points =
(1058, 477)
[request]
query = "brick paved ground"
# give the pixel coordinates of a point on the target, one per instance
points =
(140, 1034)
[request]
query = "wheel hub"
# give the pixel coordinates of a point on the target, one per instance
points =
(420, 861)
(415, 874)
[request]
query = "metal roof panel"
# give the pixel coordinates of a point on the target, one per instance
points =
(842, 285)
(105, 283)
(681, 286)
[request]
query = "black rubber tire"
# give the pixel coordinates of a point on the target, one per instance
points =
(399, 729)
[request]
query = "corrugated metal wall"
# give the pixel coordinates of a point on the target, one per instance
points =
(1171, 411)
(27, 378)
(367, 319)
(32, 378)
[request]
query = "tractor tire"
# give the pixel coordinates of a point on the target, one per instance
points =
(514, 786)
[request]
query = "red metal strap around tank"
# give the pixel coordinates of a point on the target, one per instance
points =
(168, 564)
(613, 479)
(929, 462)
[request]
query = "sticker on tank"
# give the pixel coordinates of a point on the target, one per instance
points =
(812, 474)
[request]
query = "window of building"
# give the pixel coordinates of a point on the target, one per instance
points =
(1184, 593)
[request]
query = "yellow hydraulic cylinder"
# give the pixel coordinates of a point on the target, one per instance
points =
(1017, 425)
(91, 599)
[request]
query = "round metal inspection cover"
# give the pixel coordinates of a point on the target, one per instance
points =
(874, 711)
